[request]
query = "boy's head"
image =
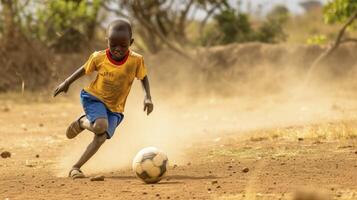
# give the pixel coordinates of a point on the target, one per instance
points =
(119, 36)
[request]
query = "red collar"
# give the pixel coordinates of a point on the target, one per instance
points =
(107, 52)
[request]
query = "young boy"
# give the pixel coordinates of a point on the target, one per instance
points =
(104, 99)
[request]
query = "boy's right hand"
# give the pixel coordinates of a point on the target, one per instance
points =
(63, 87)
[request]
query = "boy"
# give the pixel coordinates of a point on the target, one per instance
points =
(104, 99)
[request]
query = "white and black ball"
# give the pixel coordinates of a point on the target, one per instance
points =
(150, 165)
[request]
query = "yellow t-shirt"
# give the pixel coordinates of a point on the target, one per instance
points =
(114, 79)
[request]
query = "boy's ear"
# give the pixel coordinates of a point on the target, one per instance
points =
(131, 41)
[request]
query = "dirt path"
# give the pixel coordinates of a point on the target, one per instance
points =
(272, 166)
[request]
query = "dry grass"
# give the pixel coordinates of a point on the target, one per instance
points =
(343, 130)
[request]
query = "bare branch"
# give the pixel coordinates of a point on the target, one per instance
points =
(348, 40)
(115, 11)
(332, 48)
(183, 16)
(208, 15)
(144, 21)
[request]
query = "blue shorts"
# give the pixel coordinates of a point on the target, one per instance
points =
(94, 109)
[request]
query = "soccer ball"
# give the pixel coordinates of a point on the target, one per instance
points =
(150, 164)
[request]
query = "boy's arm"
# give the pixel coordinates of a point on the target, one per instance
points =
(63, 87)
(148, 105)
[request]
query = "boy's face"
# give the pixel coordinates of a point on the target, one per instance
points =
(119, 43)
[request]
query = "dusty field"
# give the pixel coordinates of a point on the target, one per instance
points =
(262, 164)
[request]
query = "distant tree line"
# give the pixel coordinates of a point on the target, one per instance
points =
(65, 25)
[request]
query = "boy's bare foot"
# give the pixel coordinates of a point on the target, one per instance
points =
(74, 128)
(76, 173)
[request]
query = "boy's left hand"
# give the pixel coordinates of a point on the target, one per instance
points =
(148, 106)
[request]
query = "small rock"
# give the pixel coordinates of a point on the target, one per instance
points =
(40, 125)
(28, 164)
(157, 195)
(214, 182)
(62, 184)
(37, 156)
(218, 186)
(301, 139)
(145, 193)
(189, 163)
(317, 142)
(210, 172)
(209, 189)
(245, 170)
(5, 154)
(355, 152)
(6, 109)
(174, 166)
(282, 163)
(97, 178)
(230, 166)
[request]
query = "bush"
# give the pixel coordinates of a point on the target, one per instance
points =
(68, 23)
(231, 26)
(228, 27)
(271, 31)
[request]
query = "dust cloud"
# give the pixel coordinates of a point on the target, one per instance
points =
(191, 104)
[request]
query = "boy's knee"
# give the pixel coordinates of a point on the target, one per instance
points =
(100, 126)
(100, 138)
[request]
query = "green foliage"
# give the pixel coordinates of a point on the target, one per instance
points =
(317, 40)
(339, 10)
(235, 27)
(231, 26)
(61, 16)
(279, 13)
(271, 31)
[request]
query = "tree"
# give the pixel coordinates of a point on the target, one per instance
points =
(9, 18)
(164, 22)
(230, 26)
(67, 24)
(271, 31)
(341, 11)
(337, 11)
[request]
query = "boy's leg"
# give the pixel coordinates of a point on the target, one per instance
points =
(99, 127)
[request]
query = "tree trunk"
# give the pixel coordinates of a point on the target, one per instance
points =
(332, 48)
(9, 20)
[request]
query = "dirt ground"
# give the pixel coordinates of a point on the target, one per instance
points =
(270, 163)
